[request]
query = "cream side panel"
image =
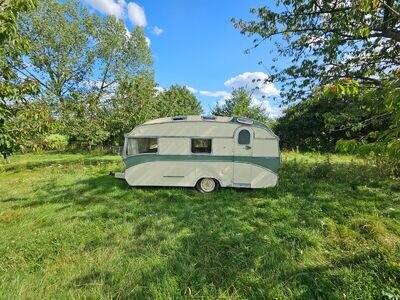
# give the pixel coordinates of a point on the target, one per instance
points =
(186, 174)
(222, 171)
(178, 173)
(261, 133)
(260, 177)
(174, 146)
(266, 148)
(222, 146)
(263, 178)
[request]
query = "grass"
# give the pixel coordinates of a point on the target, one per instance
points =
(330, 230)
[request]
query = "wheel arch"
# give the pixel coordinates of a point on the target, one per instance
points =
(217, 180)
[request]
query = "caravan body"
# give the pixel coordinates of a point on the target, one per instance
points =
(207, 152)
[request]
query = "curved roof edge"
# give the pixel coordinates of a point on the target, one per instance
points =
(218, 119)
(188, 118)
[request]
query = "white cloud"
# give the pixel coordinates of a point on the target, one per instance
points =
(127, 33)
(136, 14)
(256, 83)
(216, 94)
(259, 87)
(120, 9)
(108, 7)
(159, 89)
(222, 95)
(157, 30)
(191, 89)
(148, 42)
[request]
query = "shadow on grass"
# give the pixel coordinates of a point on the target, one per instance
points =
(272, 243)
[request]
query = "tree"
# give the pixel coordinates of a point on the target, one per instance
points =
(79, 60)
(30, 123)
(240, 104)
(133, 103)
(12, 88)
(328, 41)
(74, 51)
(177, 100)
(316, 124)
(121, 55)
(83, 120)
(61, 54)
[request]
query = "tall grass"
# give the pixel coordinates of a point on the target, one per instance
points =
(330, 229)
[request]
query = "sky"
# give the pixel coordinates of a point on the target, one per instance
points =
(195, 44)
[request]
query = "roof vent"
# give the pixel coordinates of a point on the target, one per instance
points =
(208, 118)
(179, 118)
(246, 121)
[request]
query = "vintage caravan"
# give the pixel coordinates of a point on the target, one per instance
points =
(202, 152)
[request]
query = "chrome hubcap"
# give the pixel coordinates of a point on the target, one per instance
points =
(207, 184)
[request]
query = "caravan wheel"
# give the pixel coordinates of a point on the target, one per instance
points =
(207, 185)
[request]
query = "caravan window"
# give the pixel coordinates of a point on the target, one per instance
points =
(201, 145)
(244, 137)
(141, 145)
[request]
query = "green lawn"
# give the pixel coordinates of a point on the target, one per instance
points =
(69, 230)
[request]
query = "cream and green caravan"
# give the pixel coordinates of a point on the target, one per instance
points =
(202, 152)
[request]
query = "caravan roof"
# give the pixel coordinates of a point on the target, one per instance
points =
(183, 125)
(189, 118)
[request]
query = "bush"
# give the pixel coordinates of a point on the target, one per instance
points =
(56, 142)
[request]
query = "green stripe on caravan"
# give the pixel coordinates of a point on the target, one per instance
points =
(270, 163)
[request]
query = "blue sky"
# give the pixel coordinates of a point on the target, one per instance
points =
(195, 44)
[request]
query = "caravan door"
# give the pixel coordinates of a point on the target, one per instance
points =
(243, 152)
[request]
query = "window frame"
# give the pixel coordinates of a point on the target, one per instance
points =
(201, 138)
(238, 137)
(143, 137)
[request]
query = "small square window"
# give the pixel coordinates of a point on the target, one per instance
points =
(201, 145)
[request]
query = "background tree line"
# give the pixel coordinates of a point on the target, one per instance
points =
(69, 76)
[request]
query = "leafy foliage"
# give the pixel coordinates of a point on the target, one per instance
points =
(133, 103)
(316, 124)
(56, 142)
(11, 87)
(79, 60)
(383, 144)
(240, 104)
(328, 41)
(74, 51)
(30, 123)
(177, 100)
(83, 120)
(347, 49)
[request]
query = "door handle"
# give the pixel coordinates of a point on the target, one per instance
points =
(247, 147)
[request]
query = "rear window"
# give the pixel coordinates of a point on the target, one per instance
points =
(201, 145)
(244, 137)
